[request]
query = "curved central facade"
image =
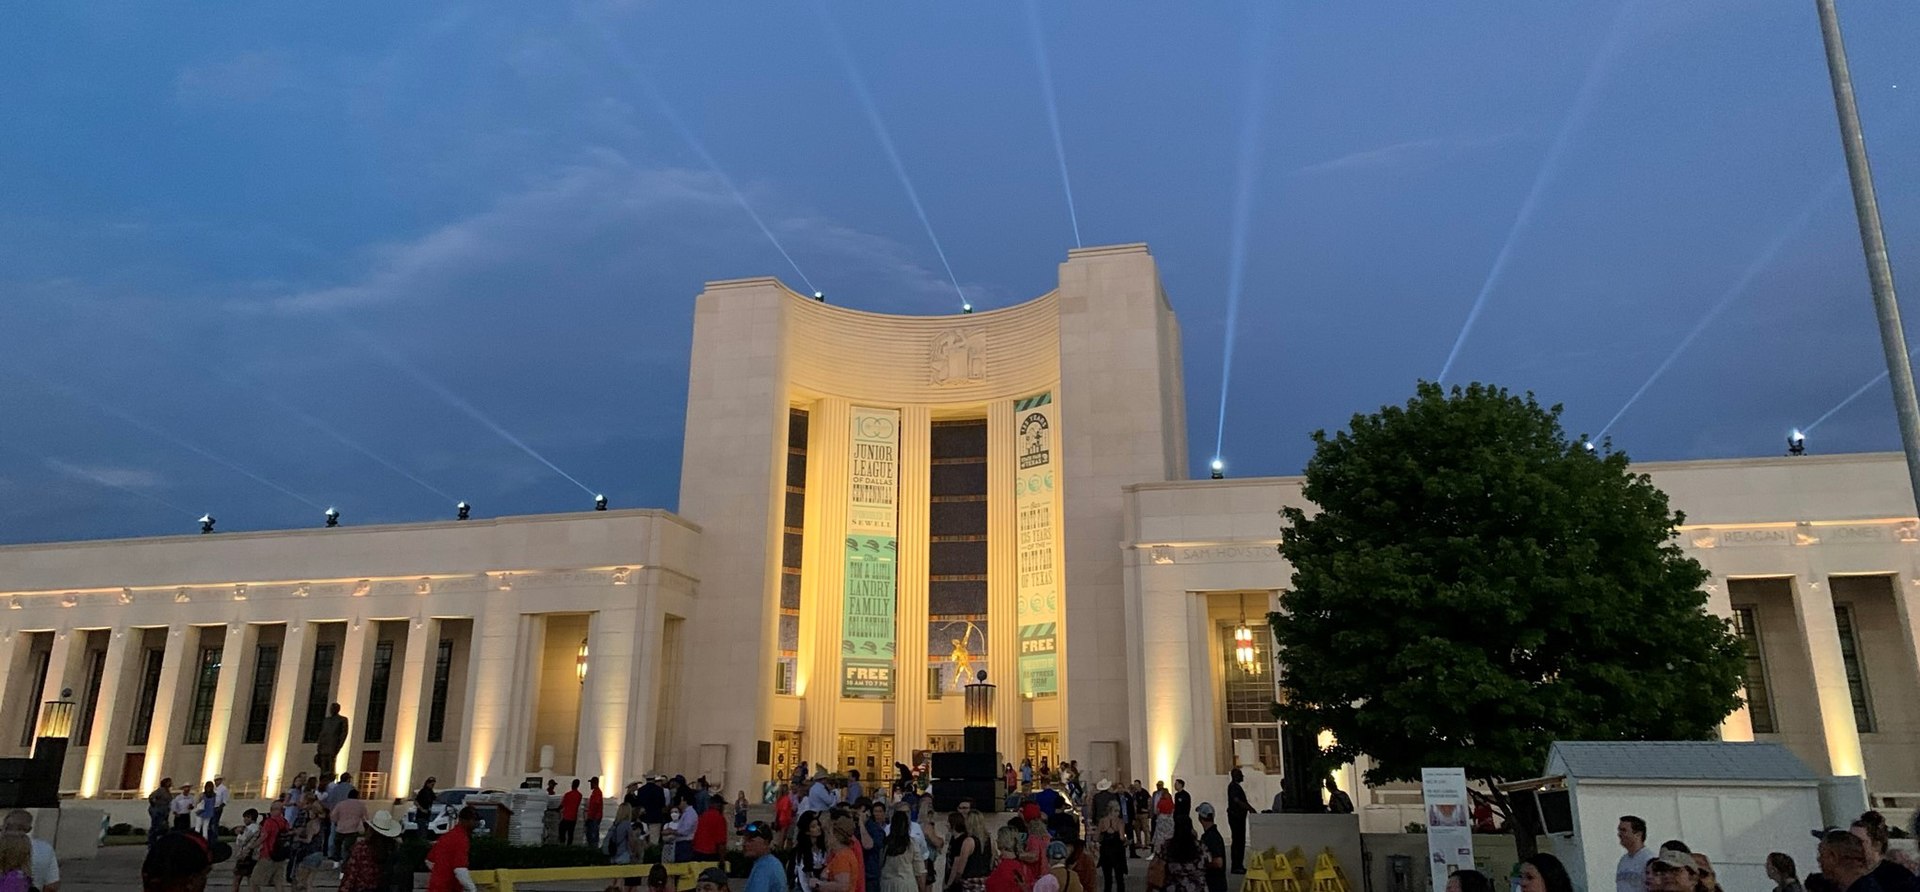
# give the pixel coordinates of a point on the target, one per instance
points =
(891, 504)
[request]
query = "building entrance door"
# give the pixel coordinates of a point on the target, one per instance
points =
(786, 755)
(1044, 746)
(872, 754)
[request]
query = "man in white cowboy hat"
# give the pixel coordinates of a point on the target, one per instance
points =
(1103, 799)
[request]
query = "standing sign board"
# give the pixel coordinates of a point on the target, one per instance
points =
(1449, 822)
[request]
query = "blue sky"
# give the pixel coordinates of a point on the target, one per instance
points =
(247, 251)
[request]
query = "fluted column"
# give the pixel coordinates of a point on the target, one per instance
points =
(910, 657)
(410, 716)
(1003, 594)
(823, 579)
(233, 656)
(174, 662)
(100, 739)
(296, 659)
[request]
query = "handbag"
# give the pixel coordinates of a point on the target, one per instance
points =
(1157, 873)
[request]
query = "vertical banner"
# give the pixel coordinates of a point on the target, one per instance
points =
(1037, 583)
(1449, 816)
(867, 641)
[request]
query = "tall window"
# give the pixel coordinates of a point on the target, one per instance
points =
(956, 555)
(1248, 696)
(206, 680)
(377, 692)
(149, 695)
(442, 676)
(266, 668)
(1759, 695)
(319, 692)
(1856, 677)
(40, 660)
(96, 673)
(792, 553)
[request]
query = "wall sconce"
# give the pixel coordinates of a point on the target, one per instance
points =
(1243, 652)
(580, 662)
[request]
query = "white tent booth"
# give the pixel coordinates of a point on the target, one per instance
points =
(1733, 802)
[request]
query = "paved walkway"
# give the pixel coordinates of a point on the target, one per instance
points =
(117, 869)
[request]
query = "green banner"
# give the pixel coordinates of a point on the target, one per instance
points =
(1037, 577)
(867, 629)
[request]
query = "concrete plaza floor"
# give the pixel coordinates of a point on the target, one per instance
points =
(117, 869)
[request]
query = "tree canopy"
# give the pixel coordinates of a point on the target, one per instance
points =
(1474, 585)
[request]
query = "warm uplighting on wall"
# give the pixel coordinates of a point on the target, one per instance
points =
(580, 662)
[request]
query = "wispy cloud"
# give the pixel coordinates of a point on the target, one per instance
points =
(119, 478)
(248, 77)
(602, 191)
(598, 198)
(1404, 155)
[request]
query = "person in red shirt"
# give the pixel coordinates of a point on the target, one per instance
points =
(569, 813)
(1008, 875)
(447, 860)
(710, 833)
(596, 809)
(783, 814)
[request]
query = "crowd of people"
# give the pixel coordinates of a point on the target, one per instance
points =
(1852, 859)
(849, 834)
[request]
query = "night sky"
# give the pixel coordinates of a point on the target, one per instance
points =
(254, 258)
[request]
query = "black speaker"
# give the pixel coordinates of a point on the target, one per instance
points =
(981, 740)
(964, 766)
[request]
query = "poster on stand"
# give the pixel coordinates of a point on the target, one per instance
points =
(1036, 577)
(867, 632)
(1449, 822)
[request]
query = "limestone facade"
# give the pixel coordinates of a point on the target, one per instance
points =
(872, 508)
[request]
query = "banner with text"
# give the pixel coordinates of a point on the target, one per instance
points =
(1449, 827)
(1035, 454)
(867, 640)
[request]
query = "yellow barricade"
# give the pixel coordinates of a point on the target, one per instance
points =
(681, 873)
(1327, 875)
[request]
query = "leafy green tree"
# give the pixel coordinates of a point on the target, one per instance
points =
(1473, 586)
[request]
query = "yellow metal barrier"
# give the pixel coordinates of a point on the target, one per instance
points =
(681, 873)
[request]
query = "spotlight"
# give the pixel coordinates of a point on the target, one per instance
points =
(599, 503)
(1796, 442)
(462, 508)
(820, 296)
(333, 517)
(966, 307)
(1588, 445)
(1219, 470)
(206, 523)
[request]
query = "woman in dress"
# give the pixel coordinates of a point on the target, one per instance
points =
(901, 867)
(1113, 851)
(1185, 869)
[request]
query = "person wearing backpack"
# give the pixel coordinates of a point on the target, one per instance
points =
(275, 850)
